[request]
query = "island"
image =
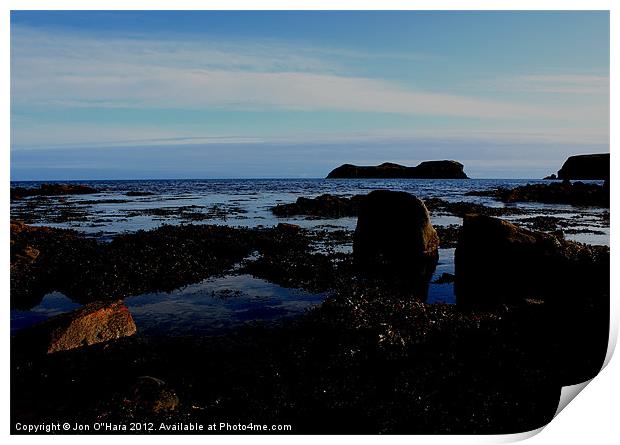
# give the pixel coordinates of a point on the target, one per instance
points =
(593, 166)
(425, 170)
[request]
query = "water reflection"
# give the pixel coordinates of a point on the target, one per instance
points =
(442, 292)
(217, 304)
(209, 307)
(52, 304)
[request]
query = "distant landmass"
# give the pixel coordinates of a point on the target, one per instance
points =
(425, 170)
(594, 166)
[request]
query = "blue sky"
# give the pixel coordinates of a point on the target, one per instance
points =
(199, 94)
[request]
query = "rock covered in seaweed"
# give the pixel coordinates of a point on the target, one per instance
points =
(51, 190)
(86, 270)
(394, 235)
(565, 192)
(152, 395)
(325, 206)
(497, 263)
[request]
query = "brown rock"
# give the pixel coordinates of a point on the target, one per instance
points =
(17, 227)
(93, 323)
(151, 394)
(288, 227)
(30, 253)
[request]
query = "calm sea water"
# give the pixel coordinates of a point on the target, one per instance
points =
(247, 202)
(200, 308)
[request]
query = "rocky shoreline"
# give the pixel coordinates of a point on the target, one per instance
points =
(566, 192)
(52, 190)
(373, 357)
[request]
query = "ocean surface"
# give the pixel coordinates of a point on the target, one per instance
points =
(222, 303)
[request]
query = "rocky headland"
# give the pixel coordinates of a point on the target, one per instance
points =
(592, 166)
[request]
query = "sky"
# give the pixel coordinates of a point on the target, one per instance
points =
(271, 94)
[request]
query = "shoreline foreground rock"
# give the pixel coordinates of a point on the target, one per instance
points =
(394, 236)
(560, 286)
(93, 323)
(498, 263)
(426, 170)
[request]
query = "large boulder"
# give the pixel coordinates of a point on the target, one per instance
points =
(93, 323)
(562, 287)
(394, 236)
(594, 166)
(497, 263)
(425, 170)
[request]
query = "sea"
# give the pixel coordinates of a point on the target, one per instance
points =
(219, 304)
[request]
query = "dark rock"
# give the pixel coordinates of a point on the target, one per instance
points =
(30, 262)
(324, 206)
(543, 223)
(52, 190)
(594, 166)
(551, 176)
(565, 192)
(330, 206)
(445, 278)
(288, 227)
(498, 263)
(150, 394)
(93, 323)
(464, 208)
(86, 270)
(425, 170)
(448, 235)
(394, 236)
(139, 193)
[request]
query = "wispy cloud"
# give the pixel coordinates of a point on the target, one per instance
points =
(566, 84)
(66, 71)
(139, 86)
(90, 136)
